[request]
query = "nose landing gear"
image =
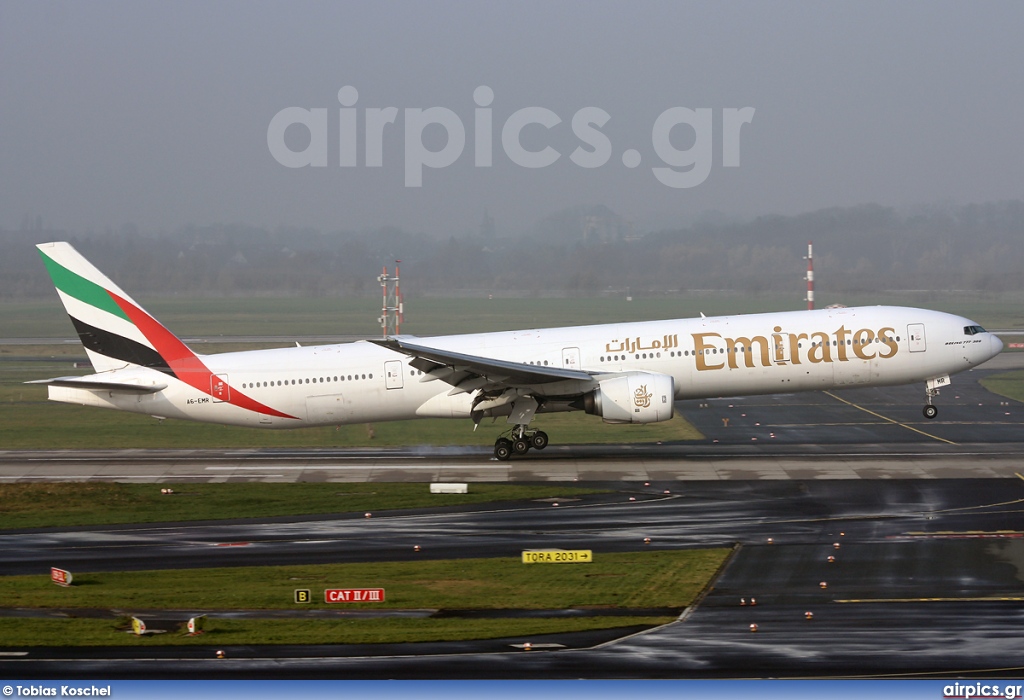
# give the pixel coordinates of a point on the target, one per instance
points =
(931, 390)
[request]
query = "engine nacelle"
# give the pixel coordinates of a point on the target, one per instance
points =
(634, 397)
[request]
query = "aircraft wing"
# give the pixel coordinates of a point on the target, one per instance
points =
(86, 383)
(470, 372)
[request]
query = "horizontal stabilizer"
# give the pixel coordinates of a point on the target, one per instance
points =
(100, 385)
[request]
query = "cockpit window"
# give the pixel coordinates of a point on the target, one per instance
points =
(973, 330)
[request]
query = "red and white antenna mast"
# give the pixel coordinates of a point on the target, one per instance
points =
(810, 276)
(392, 311)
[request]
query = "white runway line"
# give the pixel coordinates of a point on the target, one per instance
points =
(376, 467)
(92, 477)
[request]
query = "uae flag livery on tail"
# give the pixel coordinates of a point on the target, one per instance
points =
(117, 332)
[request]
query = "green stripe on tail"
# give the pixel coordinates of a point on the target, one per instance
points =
(82, 289)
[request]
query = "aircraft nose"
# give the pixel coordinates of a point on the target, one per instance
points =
(997, 344)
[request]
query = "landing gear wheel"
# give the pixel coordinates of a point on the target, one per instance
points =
(520, 446)
(503, 449)
(539, 440)
(930, 411)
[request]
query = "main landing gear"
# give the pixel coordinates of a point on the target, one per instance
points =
(519, 441)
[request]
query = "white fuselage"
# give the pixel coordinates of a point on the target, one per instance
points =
(706, 357)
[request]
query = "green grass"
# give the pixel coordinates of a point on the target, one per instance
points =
(29, 421)
(194, 316)
(668, 579)
(39, 424)
(104, 503)
(1008, 384)
(292, 316)
(662, 579)
(27, 632)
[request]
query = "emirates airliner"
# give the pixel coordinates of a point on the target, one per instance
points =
(622, 372)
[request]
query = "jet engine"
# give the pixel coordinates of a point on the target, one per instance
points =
(632, 397)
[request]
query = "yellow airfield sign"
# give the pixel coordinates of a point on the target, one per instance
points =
(558, 556)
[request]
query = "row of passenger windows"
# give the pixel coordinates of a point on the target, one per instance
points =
(603, 358)
(739, 348)
(314, 380)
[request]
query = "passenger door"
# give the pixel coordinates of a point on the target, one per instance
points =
(915, 335)
(393, 374)
(571, 358)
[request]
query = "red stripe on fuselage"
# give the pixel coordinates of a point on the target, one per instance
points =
(183, 362)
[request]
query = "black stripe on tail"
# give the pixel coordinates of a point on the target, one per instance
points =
(118, 347)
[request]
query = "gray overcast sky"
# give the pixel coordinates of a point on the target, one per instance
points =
(158, 113)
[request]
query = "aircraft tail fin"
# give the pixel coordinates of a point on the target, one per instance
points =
(114, 329)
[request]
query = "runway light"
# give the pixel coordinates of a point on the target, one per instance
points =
(809, 615)
(666, 492)
(771, 540)
(753, 627)
(554, 505)
(757, 424)
(743, 601)
(527, 646)
(220, 654)
(632, 498)
(368, 515)
(831, 559)
(754, 439)
(842, 534)
(416, 548)
(753, 601)
(835, 545)
(647, 483)
(823, 585)
(647, 540)
(743, 415)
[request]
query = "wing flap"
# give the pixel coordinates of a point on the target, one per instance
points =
(501, 372)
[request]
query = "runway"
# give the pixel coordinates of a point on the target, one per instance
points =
(876, 433)
(923, 520)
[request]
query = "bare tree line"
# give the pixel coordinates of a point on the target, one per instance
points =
(865, 248)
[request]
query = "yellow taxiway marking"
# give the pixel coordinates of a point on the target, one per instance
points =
(979, 599)
(1019, 476)
(886, 418)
